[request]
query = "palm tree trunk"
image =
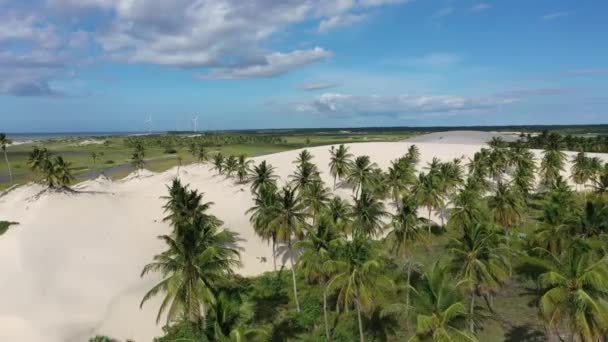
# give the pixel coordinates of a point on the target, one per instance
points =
(334, 182)
(274, 253)
(471, 311)
(407, 289)
(361, 338)
(293, 277)
(429, 223)
(325, 313)
(10, 173)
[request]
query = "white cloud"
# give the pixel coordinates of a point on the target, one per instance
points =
(555, 15)
(275, 64)
(437, 59)
(339, 21)
(443, 12)
(400, 105)
(317, 85)
(482, 6)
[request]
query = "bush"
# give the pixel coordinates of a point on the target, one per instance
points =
(109, 162)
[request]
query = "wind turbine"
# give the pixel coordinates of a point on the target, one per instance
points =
(195, 123)
(148, 123)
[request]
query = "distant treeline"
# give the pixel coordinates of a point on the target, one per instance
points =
(208, 139)
(598, 144)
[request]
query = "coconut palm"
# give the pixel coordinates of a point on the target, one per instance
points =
(399, 177)
(266, 202)
(4, 142)
(95, 156)
(428, 193)
(360, 174)
(553, 161)
(262, 176)
(505, 206)
(574, 294)
(358, 276)
(368, 212)
(218, 163)
(62, 172)
(441, 313)
(340, 212)
(315, 197)
(405, 226)
(340, 162)
(230, 165)
(202, 154)
(466, 205)
(305, 174)
(580, 171)
(38, 159)
(480, 261)
(316, 249)
(289, 222)
(199, 259)
(137, 158)
(600, 181)
(243, 168)
(412, 156)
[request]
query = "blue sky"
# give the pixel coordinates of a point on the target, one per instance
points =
(99, 65)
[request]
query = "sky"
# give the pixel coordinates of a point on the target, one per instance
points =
(110, 65)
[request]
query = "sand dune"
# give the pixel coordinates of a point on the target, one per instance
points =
(463, 137)
(71, 268)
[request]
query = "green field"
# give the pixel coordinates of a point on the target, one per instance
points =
(115, 161)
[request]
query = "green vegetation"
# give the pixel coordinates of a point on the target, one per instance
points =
(508, 262)
(4, 225)
(555, 140)
(116, 156)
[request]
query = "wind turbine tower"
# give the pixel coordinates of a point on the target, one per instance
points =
(148, 123)
(195, 124)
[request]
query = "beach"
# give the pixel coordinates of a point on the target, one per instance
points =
(71, 267)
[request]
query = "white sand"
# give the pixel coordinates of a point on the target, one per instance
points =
(71, 268)
(463, 137)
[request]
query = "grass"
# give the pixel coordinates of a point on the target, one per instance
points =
(117, 154)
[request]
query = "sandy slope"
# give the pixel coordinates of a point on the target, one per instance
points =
(71, 268)
(463, 137)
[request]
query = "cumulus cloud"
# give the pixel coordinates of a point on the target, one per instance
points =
(275, 64)
(339, 21)
(399, 105)
(317, 85)
(482, 6)
(555, 15)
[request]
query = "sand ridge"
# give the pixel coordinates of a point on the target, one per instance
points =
(71, 268)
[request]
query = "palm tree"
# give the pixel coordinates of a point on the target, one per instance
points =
(304, 157)
(428, 193)
(95, 156)
(340, 212)
(62, 172)
(316, 250)
(600, 181)
(525, 168)
(265, 208)
(358, 276)
(262, 176)
(218, 163)
(479, 260)
(440, 311)
(38, 159)
(574, 294)
(315, 197)
(579, 171)
(289, 223)
(367, 213)
(137, 158)
(230, 165)
(360, 173)
(243, 168)
(340, 162)
(202, 154)
(4, 142)
(404, 232)
(306, 174)
(506, 208)
(412, 156)
(399, 177)
(199, 259)
(466, 205)
(553, 161)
